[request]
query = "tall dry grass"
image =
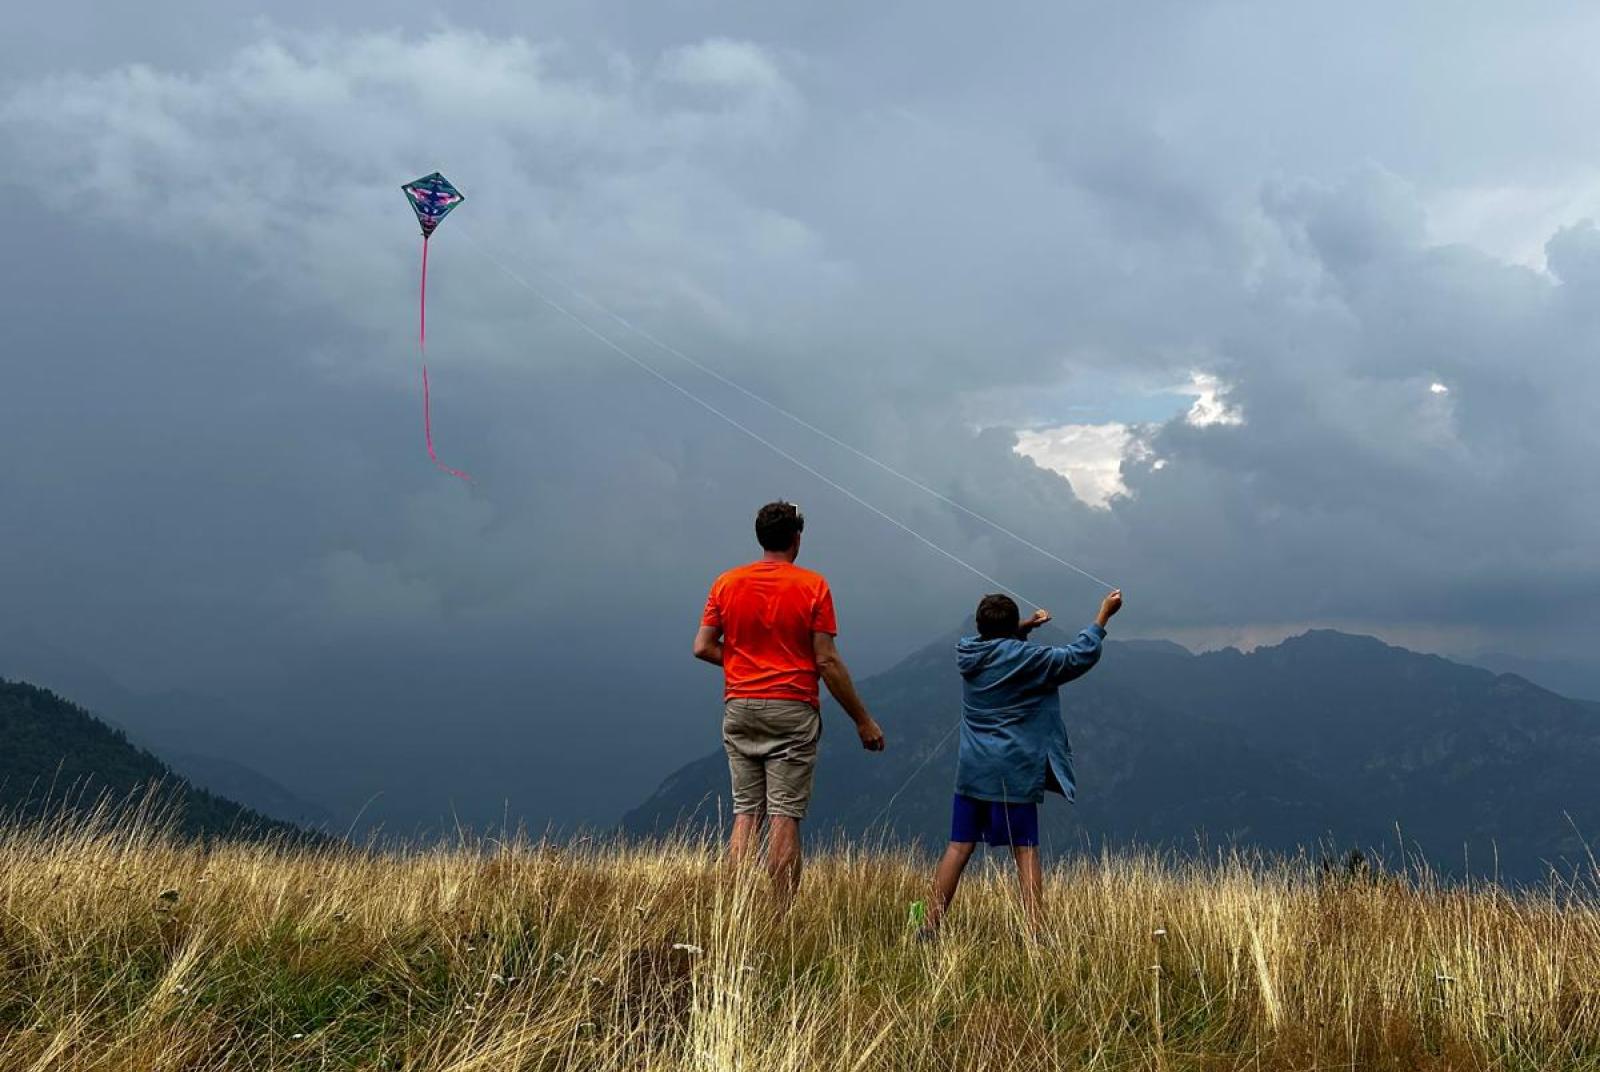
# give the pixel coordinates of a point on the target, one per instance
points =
(121, 949)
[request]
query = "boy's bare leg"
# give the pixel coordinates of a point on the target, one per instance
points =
(946, 878)
(1030, 879)
(783, 855)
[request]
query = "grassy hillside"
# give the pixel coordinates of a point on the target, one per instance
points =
(122, 951)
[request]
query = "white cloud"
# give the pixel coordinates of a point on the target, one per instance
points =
(1090, 456)
(1211, 403)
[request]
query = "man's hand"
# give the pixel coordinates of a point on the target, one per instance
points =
(871, 734)
(1108, 607)
(831, 668)
(1040, 617)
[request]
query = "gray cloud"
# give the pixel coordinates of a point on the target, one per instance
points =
(922, 234)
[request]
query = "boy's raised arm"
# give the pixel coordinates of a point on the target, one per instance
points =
(1075, 659)
(1108, 608)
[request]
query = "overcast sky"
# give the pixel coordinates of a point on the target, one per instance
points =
(1274, 317)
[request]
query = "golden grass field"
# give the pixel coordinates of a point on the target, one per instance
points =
(123, 950)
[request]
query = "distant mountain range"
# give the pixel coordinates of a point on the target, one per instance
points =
(1326, 741)
(56, 756)
(1569, 677)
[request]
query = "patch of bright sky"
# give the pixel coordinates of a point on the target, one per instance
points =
(1512, 223)
(1090, 451)
(1088, 455)
(1087, 398)
(1211, 405)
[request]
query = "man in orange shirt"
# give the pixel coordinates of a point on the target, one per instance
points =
(770, 626)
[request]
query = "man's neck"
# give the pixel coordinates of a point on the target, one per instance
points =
(786, 557)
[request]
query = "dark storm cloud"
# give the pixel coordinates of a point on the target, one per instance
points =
(921, 233)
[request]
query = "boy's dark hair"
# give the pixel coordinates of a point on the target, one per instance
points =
(777, 524)
(998, 616)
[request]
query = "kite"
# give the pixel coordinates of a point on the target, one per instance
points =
(432, 199)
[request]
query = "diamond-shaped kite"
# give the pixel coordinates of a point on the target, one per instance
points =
(432, 198)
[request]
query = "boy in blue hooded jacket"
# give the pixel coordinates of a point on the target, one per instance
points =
(1013, 746)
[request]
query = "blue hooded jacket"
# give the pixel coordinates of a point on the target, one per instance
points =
(1013, 745)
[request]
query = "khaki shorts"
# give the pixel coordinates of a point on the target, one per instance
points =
(772, 755)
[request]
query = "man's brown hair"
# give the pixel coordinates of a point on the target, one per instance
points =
(777, 524)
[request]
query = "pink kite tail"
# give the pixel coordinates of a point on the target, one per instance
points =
(427, 430)
(422, 344)
(422, 301)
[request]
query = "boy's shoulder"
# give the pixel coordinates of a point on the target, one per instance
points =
(974, 652)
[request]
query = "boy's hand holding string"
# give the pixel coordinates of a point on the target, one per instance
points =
(1108, 608)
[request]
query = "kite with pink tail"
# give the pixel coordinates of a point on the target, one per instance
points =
(432, 197)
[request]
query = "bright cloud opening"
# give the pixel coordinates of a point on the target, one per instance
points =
(1088, 455)
(1211, 406)
(1438, 388)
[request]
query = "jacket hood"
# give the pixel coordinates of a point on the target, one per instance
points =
(975, 653)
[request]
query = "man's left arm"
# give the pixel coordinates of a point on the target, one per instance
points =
(708, 640)
(708, 645)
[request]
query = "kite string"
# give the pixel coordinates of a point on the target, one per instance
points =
(611, 344)
(803, 423)
(621, 350)
(933, 754)
(422, 301)
(835, 440)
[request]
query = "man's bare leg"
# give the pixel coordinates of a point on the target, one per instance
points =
(1031, 880)
(783, 855)
(946, 878)
(746, 837)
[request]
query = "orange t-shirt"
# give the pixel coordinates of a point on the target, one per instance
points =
(767, 612)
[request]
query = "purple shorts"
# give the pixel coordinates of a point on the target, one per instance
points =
(993, 823)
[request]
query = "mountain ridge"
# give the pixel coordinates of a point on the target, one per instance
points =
(163, 724)
(1326, 740)
(59, 758)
